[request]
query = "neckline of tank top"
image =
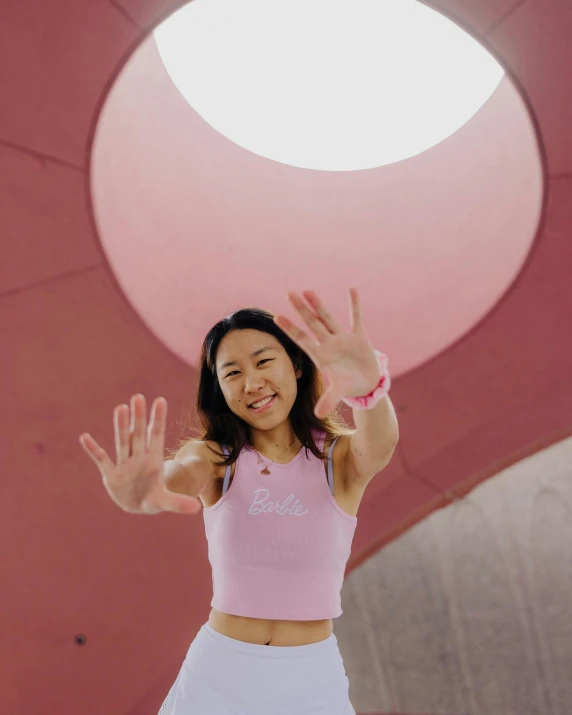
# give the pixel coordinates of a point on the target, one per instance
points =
(271, 464)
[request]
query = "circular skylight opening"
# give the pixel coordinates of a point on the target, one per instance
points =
(327, 84)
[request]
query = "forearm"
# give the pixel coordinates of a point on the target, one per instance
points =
(377, 431)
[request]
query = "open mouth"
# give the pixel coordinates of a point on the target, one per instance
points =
(266, 403)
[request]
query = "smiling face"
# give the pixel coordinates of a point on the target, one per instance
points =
(259, 367)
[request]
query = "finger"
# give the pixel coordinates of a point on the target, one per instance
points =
(97, 454)
(298, 336)
(121, 429)
(311, 320)
(355, 311)
(320, 308)
(157, 426)
(138, 424)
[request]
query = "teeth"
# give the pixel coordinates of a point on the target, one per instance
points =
(256, 405)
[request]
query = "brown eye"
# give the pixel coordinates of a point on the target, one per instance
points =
(259, 363)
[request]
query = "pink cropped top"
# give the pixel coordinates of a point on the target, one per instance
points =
(278, 544)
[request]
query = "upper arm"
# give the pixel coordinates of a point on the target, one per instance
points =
(200, 468)
(357, 468)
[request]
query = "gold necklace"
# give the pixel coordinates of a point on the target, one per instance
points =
(266, 470)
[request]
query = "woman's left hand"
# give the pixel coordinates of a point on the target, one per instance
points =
(346, 359)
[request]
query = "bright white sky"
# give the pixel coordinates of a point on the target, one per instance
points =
(327, 84)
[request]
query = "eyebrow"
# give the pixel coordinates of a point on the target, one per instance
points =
(254, 354)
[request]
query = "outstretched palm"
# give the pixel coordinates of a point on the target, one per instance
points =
(136, 481)
(346, 359)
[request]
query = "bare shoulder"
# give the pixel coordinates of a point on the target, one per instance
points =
(197, 450)
(341, 451)
(342, 445)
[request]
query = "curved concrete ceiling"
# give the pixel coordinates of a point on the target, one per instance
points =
(180, 208)
(139, 588)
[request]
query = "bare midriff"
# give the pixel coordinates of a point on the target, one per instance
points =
(269, 632)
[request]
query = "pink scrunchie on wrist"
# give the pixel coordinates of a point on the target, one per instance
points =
(371, 400)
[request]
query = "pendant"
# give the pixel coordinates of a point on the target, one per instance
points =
(265, 471)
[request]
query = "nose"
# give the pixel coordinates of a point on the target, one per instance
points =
(253, 383)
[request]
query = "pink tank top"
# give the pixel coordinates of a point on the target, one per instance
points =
(278, 544)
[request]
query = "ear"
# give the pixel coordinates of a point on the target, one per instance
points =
(298, 367)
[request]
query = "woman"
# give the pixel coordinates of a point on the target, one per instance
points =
(280, 477)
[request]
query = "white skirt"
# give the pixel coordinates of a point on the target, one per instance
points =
(225, 676)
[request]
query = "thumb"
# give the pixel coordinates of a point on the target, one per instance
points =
(327, 402)
(181, 504)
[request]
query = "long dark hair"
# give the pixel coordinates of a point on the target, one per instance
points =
(219, 424)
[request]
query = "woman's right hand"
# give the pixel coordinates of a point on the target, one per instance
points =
(136, 482)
